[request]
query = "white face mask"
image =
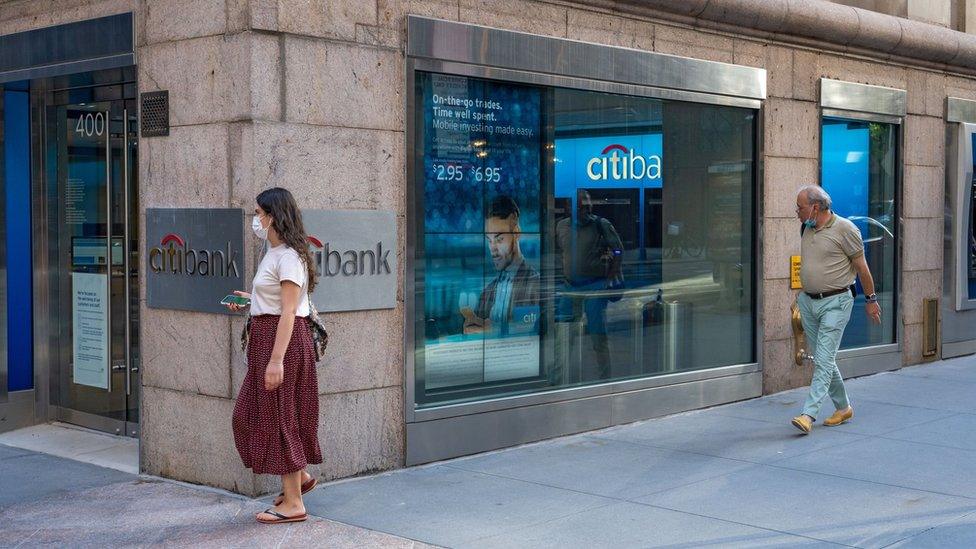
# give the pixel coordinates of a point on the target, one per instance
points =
(259, 229)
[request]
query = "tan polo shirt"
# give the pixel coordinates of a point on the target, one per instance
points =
(827, 253)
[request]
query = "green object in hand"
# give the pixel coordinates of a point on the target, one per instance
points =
(235, 300)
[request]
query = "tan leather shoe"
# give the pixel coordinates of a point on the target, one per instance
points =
(803, 423)
(838, 417)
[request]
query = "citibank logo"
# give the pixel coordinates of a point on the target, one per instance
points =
(175, 256)
(623, 164)
(329, 262)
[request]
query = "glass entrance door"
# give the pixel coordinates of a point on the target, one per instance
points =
(91, 152)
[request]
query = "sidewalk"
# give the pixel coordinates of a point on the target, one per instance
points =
(902, 473)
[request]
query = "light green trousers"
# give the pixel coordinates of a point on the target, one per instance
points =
(824, 321)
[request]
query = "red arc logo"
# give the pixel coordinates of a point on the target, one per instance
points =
(172, 237)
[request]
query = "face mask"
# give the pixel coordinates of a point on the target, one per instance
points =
(812, 222)
(260, 230)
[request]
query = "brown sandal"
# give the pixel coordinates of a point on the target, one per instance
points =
(281, 518)
(307, 487)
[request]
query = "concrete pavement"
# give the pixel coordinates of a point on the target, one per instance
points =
(902, 473)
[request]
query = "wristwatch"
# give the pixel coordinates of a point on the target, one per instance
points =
(873, 298)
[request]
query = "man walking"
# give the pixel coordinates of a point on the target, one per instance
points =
(832, 255)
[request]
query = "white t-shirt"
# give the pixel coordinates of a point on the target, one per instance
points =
(279, 263)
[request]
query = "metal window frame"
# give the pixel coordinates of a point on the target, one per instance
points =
(57, 52)
(863, 99)
(960, 199)
(45, 81)
(469, 50)
(956, 306)
(855, 101)
(958, 318)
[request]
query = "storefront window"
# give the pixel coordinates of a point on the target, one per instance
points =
(568, 237)
(858, 170)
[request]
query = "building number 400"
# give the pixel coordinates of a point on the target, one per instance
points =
(91, 124)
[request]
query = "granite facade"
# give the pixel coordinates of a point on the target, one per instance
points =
(300, 93)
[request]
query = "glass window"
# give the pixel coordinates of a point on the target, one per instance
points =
(568, 237)
(859, 162)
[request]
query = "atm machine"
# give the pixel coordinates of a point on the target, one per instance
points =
(959, 272)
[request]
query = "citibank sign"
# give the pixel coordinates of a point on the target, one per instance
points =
(194, 256)
(175, 256)
(616, 163)
(355, 254)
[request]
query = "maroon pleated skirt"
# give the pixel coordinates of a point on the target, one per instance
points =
(276, 432)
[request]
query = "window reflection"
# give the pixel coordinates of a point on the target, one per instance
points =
(858, 169)
(635, 258)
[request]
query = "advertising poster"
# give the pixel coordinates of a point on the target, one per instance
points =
(89, 313)
(482, 183)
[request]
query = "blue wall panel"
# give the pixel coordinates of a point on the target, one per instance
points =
(20, 361)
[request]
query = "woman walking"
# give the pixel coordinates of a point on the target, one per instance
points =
(276, 417)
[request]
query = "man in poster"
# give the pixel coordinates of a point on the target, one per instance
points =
(515, 288)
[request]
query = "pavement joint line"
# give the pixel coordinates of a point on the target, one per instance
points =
(692, 483)
(622, 499)
(719, 411)
(916, 407)
(821, 473)
(914, 425)
(968, 450)
(649, 445)
(200, 487)
(540, 523)
(860, 438)
(542, 484)
(946, 446)
(936, 378)
(774, 464)
(371, 528)
(616, 499)
(929, 529)
(28, 538)
(741, 523)
(680, 451)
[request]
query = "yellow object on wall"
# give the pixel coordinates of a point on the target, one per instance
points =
(795, 273)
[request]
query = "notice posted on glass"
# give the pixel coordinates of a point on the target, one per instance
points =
(89, 308)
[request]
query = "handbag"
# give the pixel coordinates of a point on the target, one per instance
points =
(320, 337)
(800, 352)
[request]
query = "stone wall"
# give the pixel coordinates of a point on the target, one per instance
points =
(271, 94)
(306, 93)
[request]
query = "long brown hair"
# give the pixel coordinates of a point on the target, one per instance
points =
(286, 219)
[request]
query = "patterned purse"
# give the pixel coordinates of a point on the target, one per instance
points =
(320, 336)
(317, 326)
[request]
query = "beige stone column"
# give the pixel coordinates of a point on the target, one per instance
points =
(220, 75)
(306, 96)
(792, 149)
(923, 199)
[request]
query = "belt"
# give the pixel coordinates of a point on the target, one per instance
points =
(828, 293)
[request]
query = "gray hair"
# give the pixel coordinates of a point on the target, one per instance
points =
(816, 195)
